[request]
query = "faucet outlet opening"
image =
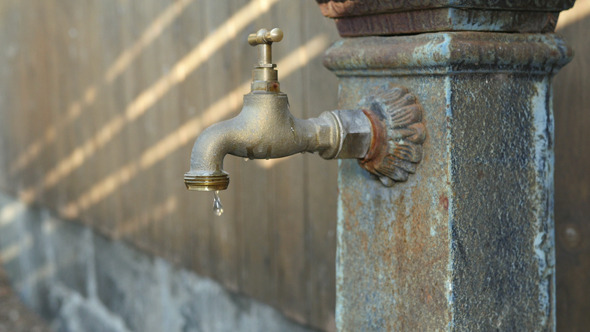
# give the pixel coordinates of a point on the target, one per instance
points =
(206, 182)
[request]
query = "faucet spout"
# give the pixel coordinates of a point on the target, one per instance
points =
(264, 129)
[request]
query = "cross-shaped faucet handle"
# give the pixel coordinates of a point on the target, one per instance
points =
(264, 36)
(264, 39)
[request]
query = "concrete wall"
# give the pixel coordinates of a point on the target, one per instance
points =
(82, 281)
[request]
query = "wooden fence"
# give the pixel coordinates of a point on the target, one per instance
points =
(572, 173)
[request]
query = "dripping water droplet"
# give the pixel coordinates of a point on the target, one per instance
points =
(217, 207)
(246, 159)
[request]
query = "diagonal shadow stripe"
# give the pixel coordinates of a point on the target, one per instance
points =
(154, 30)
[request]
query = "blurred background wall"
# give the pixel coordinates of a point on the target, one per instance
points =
(571, 89)
(100, 103)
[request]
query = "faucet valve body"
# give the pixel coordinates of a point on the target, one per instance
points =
(385, 134)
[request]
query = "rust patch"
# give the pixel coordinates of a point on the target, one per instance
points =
(445, 19)
(274, 87)
(346, 8)
(392, 256)
(398, 133)
(364, 241)
(444, 202)
(465, 52)
(378, 149)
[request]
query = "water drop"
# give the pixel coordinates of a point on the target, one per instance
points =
(246, 159)
(217, 207)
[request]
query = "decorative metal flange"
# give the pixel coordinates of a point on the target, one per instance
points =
(398, 134)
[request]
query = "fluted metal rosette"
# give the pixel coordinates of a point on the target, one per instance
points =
(398, 133)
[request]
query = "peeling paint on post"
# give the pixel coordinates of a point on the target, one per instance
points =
(467, 243)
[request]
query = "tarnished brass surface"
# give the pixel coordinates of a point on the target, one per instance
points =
(206, 183)
(265, 128)
(266, 37)
(265, 76)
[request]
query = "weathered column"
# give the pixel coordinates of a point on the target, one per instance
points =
(467, 243)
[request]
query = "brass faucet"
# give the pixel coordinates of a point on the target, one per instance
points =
(265, 128)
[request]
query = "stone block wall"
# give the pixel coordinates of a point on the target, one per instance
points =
(81, 281)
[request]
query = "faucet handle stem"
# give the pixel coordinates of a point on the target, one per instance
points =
(264, 39)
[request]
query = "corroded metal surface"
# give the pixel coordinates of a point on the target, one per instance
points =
(340, 8)
(399, 132)
(501, 178)
(392, 251)
(446, 19)
(448, 53)
(467, 243)
(374, 17)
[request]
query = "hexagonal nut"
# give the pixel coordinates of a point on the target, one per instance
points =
(355, 134)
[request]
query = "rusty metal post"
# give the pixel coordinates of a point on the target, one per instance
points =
(467, 243)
